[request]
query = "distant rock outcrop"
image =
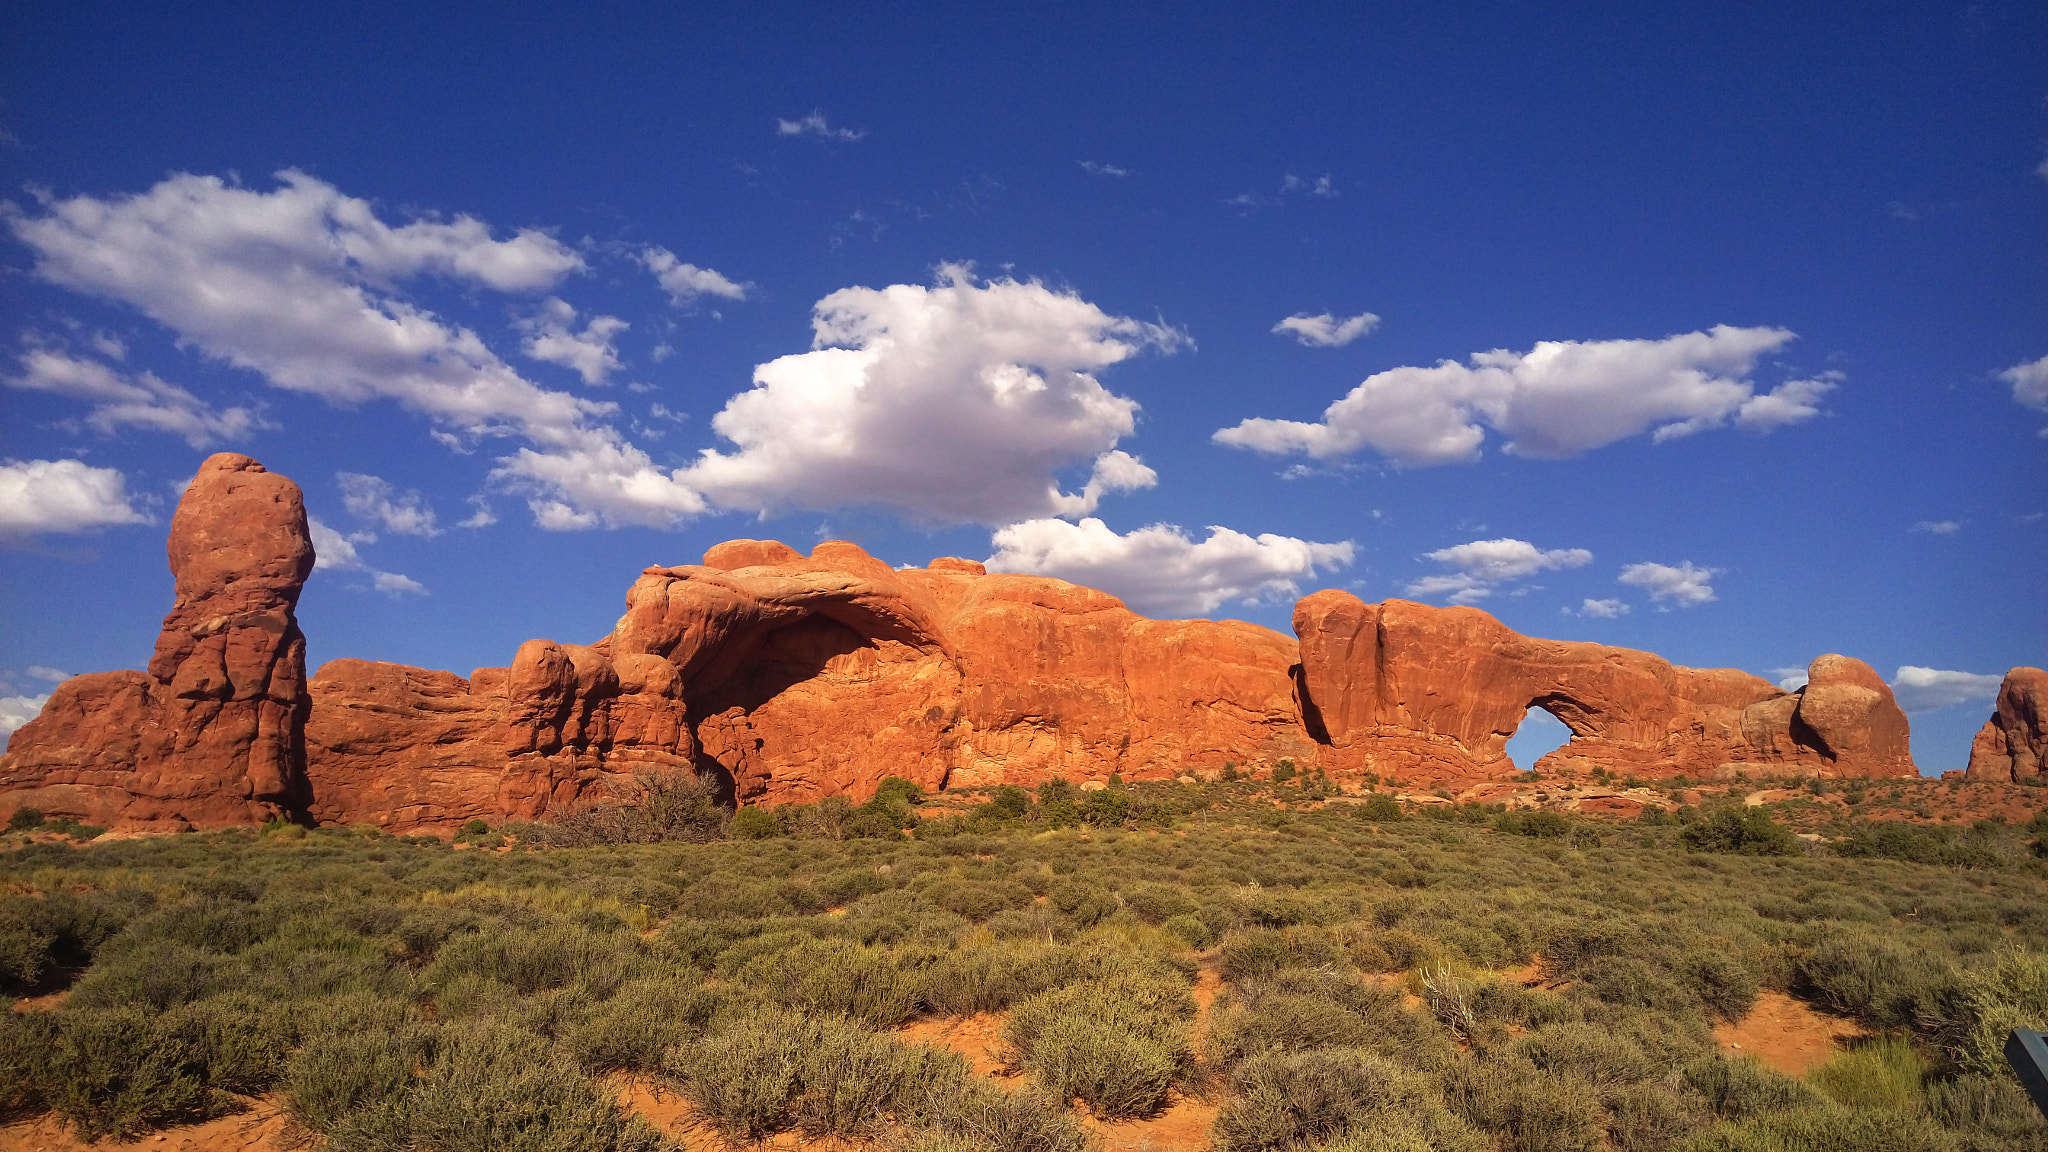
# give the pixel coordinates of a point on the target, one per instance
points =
(796, 677)
(211, 733)
(1420, 693)
(2013, 744)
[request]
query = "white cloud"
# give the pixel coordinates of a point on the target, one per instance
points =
(1327, 330)
(684, 282)
(2029, 383)
(1793, 402)
(1790, 678)
(1159, 571)
(1602, 609)
(141, 400)
(63, 496)
(296, 284)
(816, 125)
(1559, 399)
(334, 551)
(53, 675)
(551, 337)
(1938, 527)
(18, 710)
(1687, 584)
(1483, 565)
(1921, 689)
(1319, 186)
(962, 402)
(374, 499)
(1100, 169)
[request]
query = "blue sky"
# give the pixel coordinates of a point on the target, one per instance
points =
(1717, 331)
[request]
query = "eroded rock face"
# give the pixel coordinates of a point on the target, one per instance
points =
(210, 734)
(798, 677)
(1420, 693)
(2013, 744)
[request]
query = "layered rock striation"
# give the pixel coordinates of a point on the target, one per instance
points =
(2013, 745)
(795, 677)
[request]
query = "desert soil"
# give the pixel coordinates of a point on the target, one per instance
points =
(259, 1127)
(1787, 1034)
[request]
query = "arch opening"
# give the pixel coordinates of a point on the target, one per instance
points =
(1539, 733)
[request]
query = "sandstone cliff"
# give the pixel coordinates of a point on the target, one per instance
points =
(795, 677)
(2013, 744)
(211, 733)
(1421, 693)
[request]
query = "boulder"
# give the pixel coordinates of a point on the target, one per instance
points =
(2013, 744)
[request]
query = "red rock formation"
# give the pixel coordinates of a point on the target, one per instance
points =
(1420, 693)
(2013, 744)
(800, 677)
(209, 735)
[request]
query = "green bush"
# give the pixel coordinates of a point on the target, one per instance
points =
(1116, 1041)
(1379, 808)
(1284, 1100)
(1743, 831)
(24, 819)
(751, 823)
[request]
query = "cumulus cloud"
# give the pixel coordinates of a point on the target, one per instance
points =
(1938, 527)
(1921, 689)
(817, 126)
(685, 282)
(1100, 169)
(375, 500)
(63, 496)
(297, 284)
(1327, 330)
(551, 337)
(1315, 186)
(2029, 384)
(53, 675)
(1602, 609)
(16, 711)
(334, 551)
(140, 400)
(1481, 566)
(1686, 585)
(1159, 570)
(958, 403)
(1790, 678)
(1559, 399)
(1793, 402)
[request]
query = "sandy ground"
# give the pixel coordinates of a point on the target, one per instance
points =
(1787, 1034)
(259, 1127)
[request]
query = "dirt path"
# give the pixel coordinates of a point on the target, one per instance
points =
(1787, 1034)
(258, 1128)
(978, 1037)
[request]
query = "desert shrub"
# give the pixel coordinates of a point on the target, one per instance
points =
(1190, 929)
(1526, 1110)
(1253, 953)
(1589, 1052)
(1628, 981)
(1647, 1117)
(979, 899)
(1987, 1002)
(1379, 808)
(1994, 1109)
(647, 808)
(751, 823)
(978, 978)
(1283, 1100)
(984, 1118)
(340, 1073)
(123, 1071)
(1538, 824)
(1923, 844)
(26, 1041)
(24, 818)
(489, 1087)
(1720, 980)
(1828, 1127)
(1740, 1088)
(833, 976)
(631, 1031)
(1874, 976)
(765, 1071)
(1115, 1041)
(1083, 901)
(536, 959)
(1158, 903)
(1743, 831)
(24, 950)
